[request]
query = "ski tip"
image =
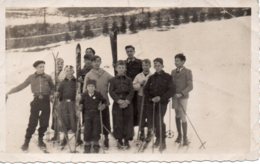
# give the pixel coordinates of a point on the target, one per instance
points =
(78, 48)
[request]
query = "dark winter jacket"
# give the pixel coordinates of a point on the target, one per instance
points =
(90, 103)
(67, 89)
(41, 84)
(121, 87)
(84, 71)
(133, 67)
(159, 84)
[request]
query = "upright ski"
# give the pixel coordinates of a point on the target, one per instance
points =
(78, 92)
(113, 42)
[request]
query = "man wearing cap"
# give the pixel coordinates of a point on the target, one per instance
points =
(42, 88)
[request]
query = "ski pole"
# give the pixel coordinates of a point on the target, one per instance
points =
(102, 132)
(140, 121)
(77, 134)
(153, 127)
(160, 124)
(110, 133)
(193, 127)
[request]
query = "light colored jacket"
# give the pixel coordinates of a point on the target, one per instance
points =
(102, 79)
(182, 81)
(138, 80)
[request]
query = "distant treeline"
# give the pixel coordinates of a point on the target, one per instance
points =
(43, 34)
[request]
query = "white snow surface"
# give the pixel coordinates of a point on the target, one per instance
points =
(218, 53)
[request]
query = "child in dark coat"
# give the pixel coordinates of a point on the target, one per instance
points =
(121, 90)
(67, 95)
(158, 90)
(93, 102)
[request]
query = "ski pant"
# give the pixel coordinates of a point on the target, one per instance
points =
(144, 114)
(106, 121)
(181, 108)
(68, 115)
(92, 127)
(40, 112)
(123, 122)
(157, 120)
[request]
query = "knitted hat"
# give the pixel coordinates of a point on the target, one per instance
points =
(38, 62)
(91, 82)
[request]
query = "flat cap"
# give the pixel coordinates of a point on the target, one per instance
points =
(35, 64)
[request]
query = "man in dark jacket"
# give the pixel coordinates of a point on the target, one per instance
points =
(133, 67)
(158, 90)
(42, 88)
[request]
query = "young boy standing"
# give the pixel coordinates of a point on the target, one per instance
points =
(67, 96)
(121, 90)
(158, 90)
(42, 88)
(182, 80)
(138, 84)
(102, 78)
(92, 102)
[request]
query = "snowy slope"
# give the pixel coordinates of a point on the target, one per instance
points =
(218, 54)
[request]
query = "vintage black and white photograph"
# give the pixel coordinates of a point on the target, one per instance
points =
(128, 80)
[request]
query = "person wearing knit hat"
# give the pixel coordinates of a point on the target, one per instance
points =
(90, 51)
(42, 88)
(93, 102)
(38, 62)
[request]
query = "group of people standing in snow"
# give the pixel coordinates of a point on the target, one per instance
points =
(134, 90)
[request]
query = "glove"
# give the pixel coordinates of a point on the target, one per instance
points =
(123, 105)
(101, 106)
(156, 99)
(120, 101)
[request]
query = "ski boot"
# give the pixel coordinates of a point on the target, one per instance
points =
(178, 139)
(96, 148)
(157, 143)
(142, 137)
(126, 144)
(25, 146)
(79, 142)
(41, 144)
(185, 139)
(106, 142)
(186, 142)
(87, 148)
(63, 143)
(149, 136)
(162, 147)
(120, 144)
(55, 137)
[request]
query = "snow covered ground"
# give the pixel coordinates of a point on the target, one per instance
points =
(218, 53)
